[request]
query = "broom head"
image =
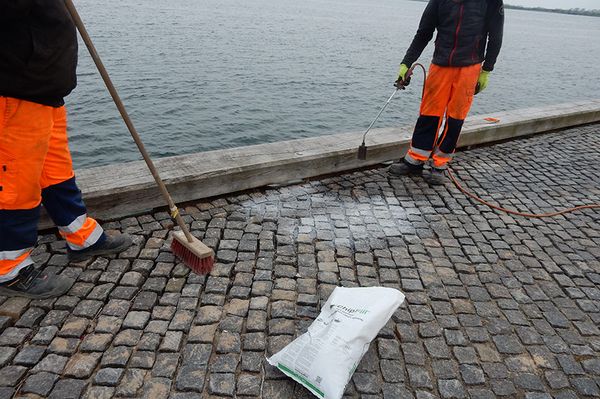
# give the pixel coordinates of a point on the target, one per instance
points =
(194, 255)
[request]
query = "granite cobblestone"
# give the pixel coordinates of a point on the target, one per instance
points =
(496, 305)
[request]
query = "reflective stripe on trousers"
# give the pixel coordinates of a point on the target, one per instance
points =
(85, 236)
(417, 156)
(441, 159)
(11, 262)
(65, 206)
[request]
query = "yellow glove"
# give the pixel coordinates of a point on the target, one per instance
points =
(402, 72)
(482, 82)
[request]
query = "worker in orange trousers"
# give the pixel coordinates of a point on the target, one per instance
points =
(38, 58)
(469, 38)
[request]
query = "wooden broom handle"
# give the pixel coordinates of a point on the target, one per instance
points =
(136, 137)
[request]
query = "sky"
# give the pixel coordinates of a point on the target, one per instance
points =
(589, 4)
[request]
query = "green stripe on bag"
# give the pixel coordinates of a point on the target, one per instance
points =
(300, 378)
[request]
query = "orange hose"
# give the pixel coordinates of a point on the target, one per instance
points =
(513, 212)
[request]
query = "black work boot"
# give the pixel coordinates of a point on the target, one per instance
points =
(403, 168)
(436, 177)
(105, 246)
(36, 284)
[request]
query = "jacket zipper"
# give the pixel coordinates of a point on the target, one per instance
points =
(462, 7)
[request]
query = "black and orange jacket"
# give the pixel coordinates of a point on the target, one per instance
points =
(38, 51)
(468, 32)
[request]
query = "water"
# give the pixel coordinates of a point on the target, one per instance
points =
(200, 75)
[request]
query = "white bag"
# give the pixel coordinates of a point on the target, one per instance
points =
(324, 358)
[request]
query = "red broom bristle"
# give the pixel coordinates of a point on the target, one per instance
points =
(191, 260)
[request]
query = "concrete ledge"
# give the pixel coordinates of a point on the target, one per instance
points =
(120, 190)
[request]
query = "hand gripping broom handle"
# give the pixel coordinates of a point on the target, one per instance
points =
(136, 137)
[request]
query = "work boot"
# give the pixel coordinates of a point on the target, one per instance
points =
(105, 246)
(403, 168)
(36, 284)
(436, 177)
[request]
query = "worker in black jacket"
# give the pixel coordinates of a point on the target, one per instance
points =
(469, 37)
(38, 60)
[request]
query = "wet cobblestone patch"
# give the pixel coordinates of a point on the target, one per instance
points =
(496, 305)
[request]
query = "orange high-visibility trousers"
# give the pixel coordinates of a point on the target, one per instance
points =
(449, 91)
(36, 167)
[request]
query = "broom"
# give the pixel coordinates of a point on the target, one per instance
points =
(186, 247)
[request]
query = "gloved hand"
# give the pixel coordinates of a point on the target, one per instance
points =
(482, 82)
(402, 72)
(402, 80)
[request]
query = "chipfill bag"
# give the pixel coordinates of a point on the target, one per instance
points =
(324, 358)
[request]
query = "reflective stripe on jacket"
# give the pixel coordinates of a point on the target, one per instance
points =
(468, 32)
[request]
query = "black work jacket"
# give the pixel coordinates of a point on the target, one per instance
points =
(38, 51)
(468, 32)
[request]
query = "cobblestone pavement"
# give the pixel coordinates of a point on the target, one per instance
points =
(496, 305)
